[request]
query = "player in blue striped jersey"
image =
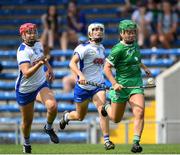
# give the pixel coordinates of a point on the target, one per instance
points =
(32, 84)
(87, 63)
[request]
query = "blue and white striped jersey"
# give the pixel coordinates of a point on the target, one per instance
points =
(91, 62)
(29, 54)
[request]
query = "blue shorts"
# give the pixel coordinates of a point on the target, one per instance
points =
(81, 94)
(26, 98)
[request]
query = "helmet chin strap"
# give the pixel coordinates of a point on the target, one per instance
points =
(31, 43)
(97, 40)
(129, 42)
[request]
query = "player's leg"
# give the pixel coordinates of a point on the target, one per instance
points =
(81, 99)
(44, 37)
(78, 114)
(27, 112)
(99, 99)
(51, 39)
(64, 41)
(26, 104)
(46, 97)
(164, 41)
(115, 111)
(137, 103)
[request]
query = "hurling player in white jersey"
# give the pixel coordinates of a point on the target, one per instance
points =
(87, 63)
(31, 84)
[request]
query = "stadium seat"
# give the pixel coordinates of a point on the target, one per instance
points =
(41, 108)
(13, 64)
(104, 20)
(4, 85)
(7, 137)
(158, 62)
(9, 108)
(147, 52)
(79, 137)
(7, 85)
(155, 72)
(99, 11)
(8, 32)
(68, 53)
(40, 137)
(10, 96)
(13, 75)
(7, 53)
(7, 96)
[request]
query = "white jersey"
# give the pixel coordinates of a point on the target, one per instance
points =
(91, 62)
(29, 54)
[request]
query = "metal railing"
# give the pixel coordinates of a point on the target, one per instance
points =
(92, 129)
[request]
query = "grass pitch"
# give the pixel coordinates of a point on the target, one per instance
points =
(89, 149)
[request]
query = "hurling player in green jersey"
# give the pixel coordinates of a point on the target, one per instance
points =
(125, 58)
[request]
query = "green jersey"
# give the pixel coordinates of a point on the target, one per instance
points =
(126, 59)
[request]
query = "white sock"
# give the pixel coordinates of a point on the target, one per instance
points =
(48, 126)
(66, 117)
(26, 141)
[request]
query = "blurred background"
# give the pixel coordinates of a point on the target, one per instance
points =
(158, 37)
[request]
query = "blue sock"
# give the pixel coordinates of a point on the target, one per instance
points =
(136, 139)
(106, 138)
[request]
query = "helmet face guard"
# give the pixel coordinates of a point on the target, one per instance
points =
(128, 31)
(29, 34)
(97, 37)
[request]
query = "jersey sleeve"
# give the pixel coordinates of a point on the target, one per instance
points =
(80, 50)
(22, 57)
(113, 56)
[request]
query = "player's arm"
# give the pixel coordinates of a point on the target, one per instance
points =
(108, 72)
(49, 72)
(29, 70)
(73, 65)
(111, 60)
(145, 68)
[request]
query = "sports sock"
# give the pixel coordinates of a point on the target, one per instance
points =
(26, 141)
(107, 106)
(48, 126)
(106, 138)
(66, 117)
(136, 139)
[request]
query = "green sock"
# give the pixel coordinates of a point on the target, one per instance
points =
(136, 139)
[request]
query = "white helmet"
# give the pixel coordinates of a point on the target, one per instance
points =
(90, 30)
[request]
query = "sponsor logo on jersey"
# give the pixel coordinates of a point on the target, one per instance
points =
(136, 58)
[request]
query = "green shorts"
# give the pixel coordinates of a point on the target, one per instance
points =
(124, 95)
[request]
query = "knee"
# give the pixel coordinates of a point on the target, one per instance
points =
(52, 107)
(139, 113)
(27, 124)
(153, 38)
(162, 38)
(64, 36)
(115, 119)
(80, 117)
